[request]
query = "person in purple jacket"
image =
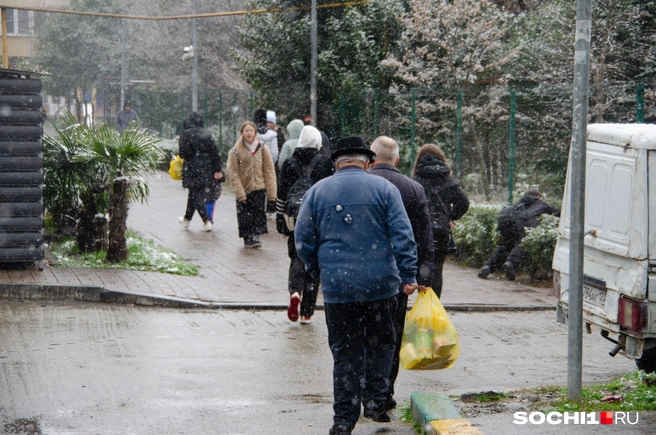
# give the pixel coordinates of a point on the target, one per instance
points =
(354, 235)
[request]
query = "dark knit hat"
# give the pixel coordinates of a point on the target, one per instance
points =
(349, 145)
(260, 117)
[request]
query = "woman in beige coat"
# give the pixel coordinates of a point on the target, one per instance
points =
(253, 178)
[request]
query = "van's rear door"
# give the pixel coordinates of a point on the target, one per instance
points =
(616, 225)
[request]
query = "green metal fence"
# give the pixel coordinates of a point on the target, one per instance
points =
(499, 138)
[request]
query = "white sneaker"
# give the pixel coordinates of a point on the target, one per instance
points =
(184, 222)
(207, 226)
(305, 320)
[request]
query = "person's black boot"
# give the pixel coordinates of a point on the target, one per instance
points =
(510, 271)
(340, 429)
(484, 272)
(376, 413)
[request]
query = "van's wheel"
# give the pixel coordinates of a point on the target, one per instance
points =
(648, 360)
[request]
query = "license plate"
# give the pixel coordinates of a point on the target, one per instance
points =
(594, 296)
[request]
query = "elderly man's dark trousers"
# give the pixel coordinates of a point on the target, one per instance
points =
(361, 338)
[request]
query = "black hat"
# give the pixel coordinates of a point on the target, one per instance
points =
(351, 144)
(127, 103)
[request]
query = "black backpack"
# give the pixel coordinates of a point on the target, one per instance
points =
(297, 191)
(510, 220)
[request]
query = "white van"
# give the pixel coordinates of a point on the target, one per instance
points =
(619, 292)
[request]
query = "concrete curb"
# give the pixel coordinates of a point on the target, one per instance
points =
(101, 294)
(436, 415)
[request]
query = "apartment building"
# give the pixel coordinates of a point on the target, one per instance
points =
(22, 25)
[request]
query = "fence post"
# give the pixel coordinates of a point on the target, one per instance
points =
(250, 105)
(235, 110)
(511, 135)
(640, 103)
(341, 115)
(458, 133)
(413, 120)
(220, 120)
(376, 107)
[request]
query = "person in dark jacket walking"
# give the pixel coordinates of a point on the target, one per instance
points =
(446, 203)
(416, 205)
(125, 116)
(202, 168)
(303, 289)
(512, 223)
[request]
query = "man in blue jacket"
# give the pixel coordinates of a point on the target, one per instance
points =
(354, 235)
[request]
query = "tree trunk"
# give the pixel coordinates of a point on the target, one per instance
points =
(85, 227)
(118, 215)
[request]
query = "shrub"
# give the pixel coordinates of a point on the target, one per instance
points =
(539, 244)
(476, 234)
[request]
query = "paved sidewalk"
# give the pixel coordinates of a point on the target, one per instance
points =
(233, 276)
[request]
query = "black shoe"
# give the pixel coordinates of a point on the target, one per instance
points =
(256, 242)
(390, 404)
(376, 413)
(484, 272)
(378, 416)
(340, 429)
(510, 271)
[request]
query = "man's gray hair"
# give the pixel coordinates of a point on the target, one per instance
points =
(352, 157)
(386, 149)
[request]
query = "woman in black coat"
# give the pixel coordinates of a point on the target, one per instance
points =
(201, 170)
(302, 288)
(446, 203)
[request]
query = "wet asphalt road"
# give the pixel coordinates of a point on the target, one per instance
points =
(73, 369)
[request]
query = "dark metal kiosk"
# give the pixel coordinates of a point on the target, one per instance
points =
(21, 167)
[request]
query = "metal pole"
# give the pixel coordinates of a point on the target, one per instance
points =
(413, 120)
(124, 62)
(220, 120)
(313, 65)
(341, 115)
(577, 198)
(194, 63)
(376, 109)
(5, 49)
(458, 132)
(640, 103)
(511, 157)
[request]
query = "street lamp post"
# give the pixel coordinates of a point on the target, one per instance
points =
(194, 63)
(313, 64)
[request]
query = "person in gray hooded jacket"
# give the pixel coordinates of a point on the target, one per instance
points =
(294, 129)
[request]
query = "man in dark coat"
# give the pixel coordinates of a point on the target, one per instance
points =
(201, 170)
(303, 289)
(416, 205)
(512, 223)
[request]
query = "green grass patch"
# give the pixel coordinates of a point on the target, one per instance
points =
(491, 397)
(144, 255)
(405, 416)
(637, 390)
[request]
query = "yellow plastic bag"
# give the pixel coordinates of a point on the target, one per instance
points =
(430, 340)
(175, 169)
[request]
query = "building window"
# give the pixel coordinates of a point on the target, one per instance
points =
(18, 22)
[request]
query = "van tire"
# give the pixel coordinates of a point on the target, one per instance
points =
(648, 360)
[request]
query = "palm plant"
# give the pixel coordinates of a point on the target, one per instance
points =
(71, 186)
(123, 159)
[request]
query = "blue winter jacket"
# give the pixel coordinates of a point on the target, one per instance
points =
(354, 235)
